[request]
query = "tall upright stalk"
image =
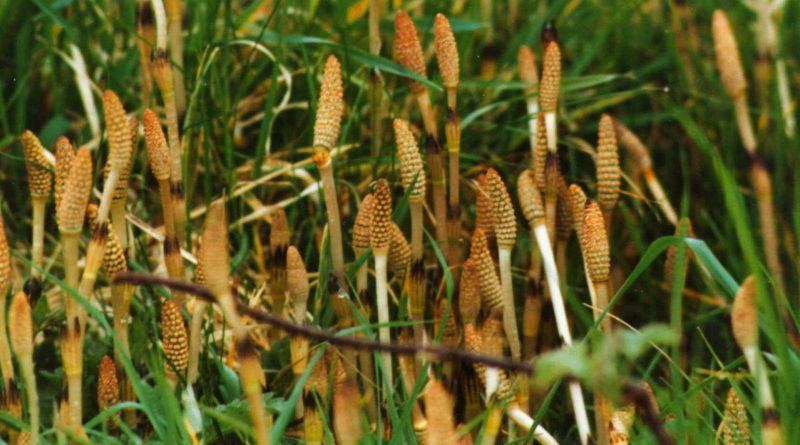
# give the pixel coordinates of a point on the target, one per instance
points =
(20, 330)
(39, 182)
(379, 236)
(533, 209)
(174, 32)
(6, 365)
(735, 83)
(529, 74)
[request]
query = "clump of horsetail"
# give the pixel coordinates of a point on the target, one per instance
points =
(549, 89)
(528, 73)
(163, 74)
(379, 238)
(735, 83)
(744, 322)
(408, 52)
(330, 110)
(530, 199)
(159, 159)
(216, 269)
(505, 226)
(734, 428)
(577, 204)
(596, 252)
(413, 176)
(107, 384)
(608, 172)
(20, 332)
(174, 341)
(40, 182)
(6, 365)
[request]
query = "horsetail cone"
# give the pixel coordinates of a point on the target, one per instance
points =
(728, 61)
(119, 133)
(744, 314)
(20, 326)
(174, 339)
(596, 248)
(563, 211)
(330, 109)
(121, 190)
(483, 207)
(114, 260)
(279, 234)
(505, 223)
(296, 277)
(735, 424)
(469, 302)
(550, 84)
(552, 174)
(5, 261)
(488, 281)
(157, 148)
(70, 213)
(64, 155)
(361, 226)
(527, 69)
(408, 49)
(36, 163)
(608, 173)
(107, 384)
(530, 199)
(446, 51)
(577, 203)
(412, 171)
(540, 152)
(380, 223)
(399, 250)
(439, 408)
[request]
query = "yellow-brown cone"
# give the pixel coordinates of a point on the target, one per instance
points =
(330, 107)
(484, 219)
(157, 148)
(441, 422)
(64, 155)
(550, 85)
(118, 129)
(527, 69)
(107, 384)
(412, 171)
(728, 60)
(39, 178)
(5, 261)
(380, 223)
(71, 212)
(407, 47)
(608, 173)
(596, 249)
(744, 314)
(491, 291)
(469, 303)
(530, 199)
(446, 51)
(505, 223)
(174, 339)
(361, 226)
(20, 326)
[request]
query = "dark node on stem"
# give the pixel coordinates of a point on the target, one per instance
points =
(158, 55)
(453, 212)
(145, 14)
(246, 349)
(452, 116)
(309, 401)
(171, 244)
(490, 52)
(100, 232)
(33, 289)
(638, 395)
(432, 146)
(549, 33)
(176, 188)
(333, 285)
(770, 417)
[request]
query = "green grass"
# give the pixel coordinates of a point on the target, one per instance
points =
(635, 60)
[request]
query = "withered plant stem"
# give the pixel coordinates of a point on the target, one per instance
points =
(174, 18)
(172, 243)
(195, 340)
(334, 221)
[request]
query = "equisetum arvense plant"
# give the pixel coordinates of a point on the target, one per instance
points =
(744, 323)
(20, 332)
(6, 365)
(607, 167)
(40, 182)
(549, 89)
(379, 237)
(174, 342)
(735, 83)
